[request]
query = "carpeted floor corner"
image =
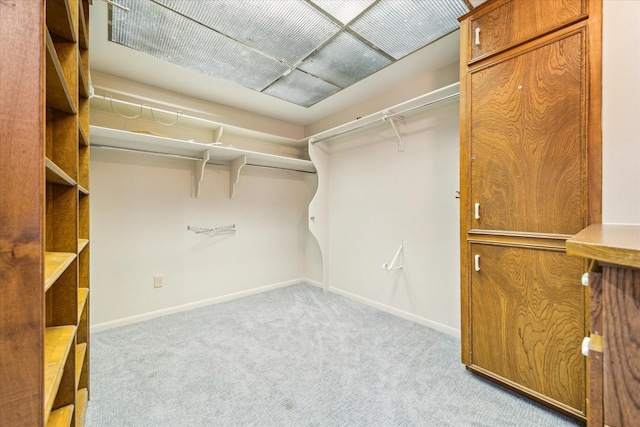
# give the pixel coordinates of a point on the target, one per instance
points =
(292, 357)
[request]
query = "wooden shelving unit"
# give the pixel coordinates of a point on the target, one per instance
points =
(44, 242)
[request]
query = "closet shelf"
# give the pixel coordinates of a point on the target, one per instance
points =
(101, 136)
(56, 175)
(83, 293)
(82, 396)
(55, 263)
(60, 19)
(58, 94)
(58, 341)
(83, 140)
(81, 351)
(82, 243)
(83, 82)
(236, 159)
(83, 31)
(61, 417)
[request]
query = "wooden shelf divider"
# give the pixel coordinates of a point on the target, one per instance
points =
(82, 243)
(81, 351)
(55, 263)
(56, 175)
(58, 93)
(57, 343)
(60, 19)
(83, 293)
(82, 397)
(61, 417)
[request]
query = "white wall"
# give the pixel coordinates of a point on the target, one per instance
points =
(380, 198)
(141, 206)
(621, 112)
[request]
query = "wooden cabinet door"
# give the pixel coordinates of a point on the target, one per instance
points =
(526, 19)
(527, 317)
(527, 133)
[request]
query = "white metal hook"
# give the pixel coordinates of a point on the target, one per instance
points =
(178, 114)
(119, 113)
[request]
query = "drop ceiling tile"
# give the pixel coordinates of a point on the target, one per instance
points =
(400, 27)
(155, 30)
(285, 30)
(344, 61)
(344, 10)
(301, 88)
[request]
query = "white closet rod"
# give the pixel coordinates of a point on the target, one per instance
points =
(386, 115)
(199, 159)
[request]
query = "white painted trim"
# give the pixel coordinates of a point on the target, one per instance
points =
(203, 303)
(400, 313)
(303, 280)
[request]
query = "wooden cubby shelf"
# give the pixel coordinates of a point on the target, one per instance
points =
(61, 417)
(83, 83)
(58, 93)
(47, 300)
(60, 19)
(83, 293)
(81, 351)
(82, 136)
(82, 397)
(55, 263)
(57, 343)
(82, 243)
(56, 175)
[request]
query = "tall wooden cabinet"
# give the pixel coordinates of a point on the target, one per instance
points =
(44, 212)
(530, 175)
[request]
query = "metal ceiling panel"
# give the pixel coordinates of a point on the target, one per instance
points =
(401, 27)
(285, 30)
(344, 61)
(301, 88)
(155, 30)
(344, 10)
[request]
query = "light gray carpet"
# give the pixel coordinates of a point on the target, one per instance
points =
(292, 357)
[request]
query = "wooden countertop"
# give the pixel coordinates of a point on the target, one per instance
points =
(610, 243)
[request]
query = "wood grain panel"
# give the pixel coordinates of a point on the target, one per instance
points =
(524, 23)
(21, 186)
(527, 311)
(595, 365)
(621, 287)
(528, 163)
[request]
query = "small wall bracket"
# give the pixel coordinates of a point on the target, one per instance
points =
(234, 174)
(199, 172)
(395, 264)
(395, 122)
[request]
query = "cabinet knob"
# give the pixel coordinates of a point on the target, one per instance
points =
(586, 341)
(477, 37)
(477, 211)
(585, 279)
(477, 262)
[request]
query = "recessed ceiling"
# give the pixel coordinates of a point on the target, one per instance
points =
(124, 62)
(301, 51)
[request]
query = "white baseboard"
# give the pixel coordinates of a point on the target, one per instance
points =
(400, 313)
(216, 300)
(203, 303)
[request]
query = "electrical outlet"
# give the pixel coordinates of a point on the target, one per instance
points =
(157, 281)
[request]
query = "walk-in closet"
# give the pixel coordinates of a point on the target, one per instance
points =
(319, 213)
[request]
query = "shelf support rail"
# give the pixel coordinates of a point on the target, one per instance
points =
(383, 115)
(225, 229)
(393, 266)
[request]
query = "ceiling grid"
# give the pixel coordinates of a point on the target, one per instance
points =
(302, 51)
